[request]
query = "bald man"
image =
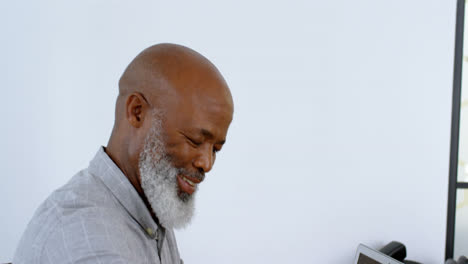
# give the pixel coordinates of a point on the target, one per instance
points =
(172, 115)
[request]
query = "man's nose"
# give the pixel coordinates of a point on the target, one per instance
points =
(205, 160)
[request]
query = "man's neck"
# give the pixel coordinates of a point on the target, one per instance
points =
(116, 157)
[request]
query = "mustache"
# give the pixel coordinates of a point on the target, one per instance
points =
(197, 175)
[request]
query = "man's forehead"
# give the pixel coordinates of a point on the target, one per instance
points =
(206, 125)
(206, 122)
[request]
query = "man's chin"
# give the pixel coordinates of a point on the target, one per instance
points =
(185, 197)
(176, 213)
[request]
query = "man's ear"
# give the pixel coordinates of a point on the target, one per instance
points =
(136, 108)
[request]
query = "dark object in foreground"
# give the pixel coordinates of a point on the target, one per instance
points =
(461, 260)
(397, 251)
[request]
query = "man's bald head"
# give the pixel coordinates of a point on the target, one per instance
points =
(195, 107)
(163, 71)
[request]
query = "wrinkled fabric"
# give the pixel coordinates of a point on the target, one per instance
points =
(97, 217)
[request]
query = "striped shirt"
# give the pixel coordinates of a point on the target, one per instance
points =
(97, 217)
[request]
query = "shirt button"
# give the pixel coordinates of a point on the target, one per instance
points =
(150, 231)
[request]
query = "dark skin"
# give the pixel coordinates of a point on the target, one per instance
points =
(197, 110)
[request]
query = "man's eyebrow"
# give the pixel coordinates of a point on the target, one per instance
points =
(208, 134)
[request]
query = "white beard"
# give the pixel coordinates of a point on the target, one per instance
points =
(159, 182)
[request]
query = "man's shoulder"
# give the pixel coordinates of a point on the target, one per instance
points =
(83, 190)
(84, 197)
(80, 216)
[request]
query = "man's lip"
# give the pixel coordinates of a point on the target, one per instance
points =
(192, 179)
(184, 185)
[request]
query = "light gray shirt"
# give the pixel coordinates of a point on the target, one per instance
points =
(97, 217)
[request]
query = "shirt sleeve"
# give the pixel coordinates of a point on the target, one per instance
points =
(87, 238)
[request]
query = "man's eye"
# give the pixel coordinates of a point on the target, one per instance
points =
(194, 142)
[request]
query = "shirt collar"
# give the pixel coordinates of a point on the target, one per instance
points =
(107, 171)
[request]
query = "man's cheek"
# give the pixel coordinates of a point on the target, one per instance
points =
(180, 157)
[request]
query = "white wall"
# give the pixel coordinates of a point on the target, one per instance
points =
(341, 130)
